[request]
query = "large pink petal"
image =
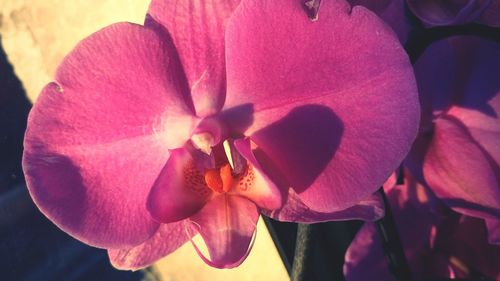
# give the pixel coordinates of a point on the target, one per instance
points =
(449, 12)
(227, 225)
(179, 191)
(166, 240)
(294, 210)
(97, 139)
(459, 173)
(197, 28)
(335, 105)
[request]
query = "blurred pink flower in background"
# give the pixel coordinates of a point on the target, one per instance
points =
(454, 163)
(456, 153)
(213, 112)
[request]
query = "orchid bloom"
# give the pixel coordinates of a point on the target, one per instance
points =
(438, 243)
(456, 153)
(455, 12)
(213, 112)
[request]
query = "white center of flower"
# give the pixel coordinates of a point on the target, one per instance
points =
(203, 141)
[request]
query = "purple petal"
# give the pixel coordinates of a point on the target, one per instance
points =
(166, 240)
(459, 173)
(92, 151)
(364, 257)
(294, 210)
(197, 29)
(435, 71)
(478, 104)
(451, 12)
(179, 191)
(227, 225)
(391, 11)
(314, 97)
(493, 231)
(491, 15)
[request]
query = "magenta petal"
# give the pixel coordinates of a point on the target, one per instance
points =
(459, 173)
(294, 210)
(449, 12)
(227, 225)
(264, 192)
(197, 29)
(179, 191)
(92, 151)
(166, 240)
(314, 99)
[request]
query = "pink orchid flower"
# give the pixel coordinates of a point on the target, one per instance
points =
(213, 112)
(456, 153)
(438, 243)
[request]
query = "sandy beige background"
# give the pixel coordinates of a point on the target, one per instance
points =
(36, 34)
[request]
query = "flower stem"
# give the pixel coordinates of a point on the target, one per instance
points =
(303, 252)
(391, 243)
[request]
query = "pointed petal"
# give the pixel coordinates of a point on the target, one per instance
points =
(457, 170)
(314, 114)
(197, 29)
(166, 240)
(452, 12)
(227, 225)
(263, 191)
(179, 191)
(294, 210)
(91, 150)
